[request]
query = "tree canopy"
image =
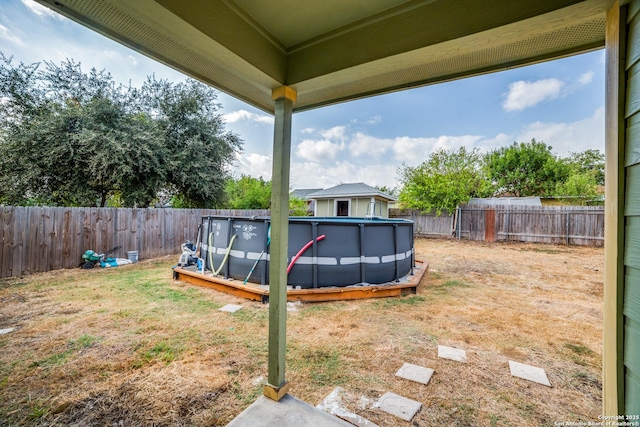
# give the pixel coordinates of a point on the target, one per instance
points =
(451, 177)
(447, 178)
(247, 192)
(526, 169)
(71, 138)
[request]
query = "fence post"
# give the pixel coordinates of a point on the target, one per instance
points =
(458, 220)
(490, 225)
(507, 224)
(567, 226)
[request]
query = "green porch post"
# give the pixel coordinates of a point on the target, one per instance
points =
(277, 386)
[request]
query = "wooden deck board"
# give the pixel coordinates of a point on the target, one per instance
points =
(256, 293)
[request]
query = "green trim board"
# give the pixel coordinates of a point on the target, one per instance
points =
(613, 334)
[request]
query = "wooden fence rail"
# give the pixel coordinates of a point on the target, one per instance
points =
(39, 239)
(427, 225)
(570, 225)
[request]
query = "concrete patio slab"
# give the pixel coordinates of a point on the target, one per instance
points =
(451, 353)
(288, 412)
(332, 404)
(399, 406)
(415, 373)
(530, 373)
(231, 308)
(6, 331)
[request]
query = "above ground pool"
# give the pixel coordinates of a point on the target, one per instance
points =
(323, 252)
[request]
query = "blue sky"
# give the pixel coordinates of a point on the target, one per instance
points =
(559, 102)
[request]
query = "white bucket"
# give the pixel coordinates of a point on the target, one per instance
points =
(132, 256)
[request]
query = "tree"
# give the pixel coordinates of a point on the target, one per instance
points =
(77, 139)
(526, 169)
(248, 193)
(588, 161)
(199, 151)
(447, 178)
(297, 207)
(581, 186)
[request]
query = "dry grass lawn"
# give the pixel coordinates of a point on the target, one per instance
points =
(130, 346)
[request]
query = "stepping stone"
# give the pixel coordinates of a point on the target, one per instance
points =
(6, 331)
(333, 405)
(530, 373)
(231, 308)
(452, 353)
(415, 373)
(399, 406)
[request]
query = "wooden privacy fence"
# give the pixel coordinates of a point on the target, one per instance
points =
(427, 224)
(39, 239)
(570, 225)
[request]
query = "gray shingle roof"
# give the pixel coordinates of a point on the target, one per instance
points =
(302, 193)
(358, 189)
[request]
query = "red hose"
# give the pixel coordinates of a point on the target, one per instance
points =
(301, 251)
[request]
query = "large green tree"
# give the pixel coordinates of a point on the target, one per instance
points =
(590, 162)
(446, 179)
(248, 192)
(526, 169)
(199, 150)
(78, 139)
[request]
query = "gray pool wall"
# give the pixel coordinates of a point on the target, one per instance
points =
(354, 250)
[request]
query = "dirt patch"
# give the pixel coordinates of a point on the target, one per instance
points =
(130, 346)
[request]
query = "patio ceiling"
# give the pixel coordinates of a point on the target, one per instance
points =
(335, 50)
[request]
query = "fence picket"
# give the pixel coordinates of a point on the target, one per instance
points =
(38, 239)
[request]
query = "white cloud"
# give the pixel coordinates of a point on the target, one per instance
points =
(247, 115)
(585, 78)
(336, 133)
(582, 135)
(412, 151)
(373, 120)
(40, 10)
(318, 150)
(523, 94)
(6, 34)
(315, 175)
(366, 144)
(256, 165)
(132, 60)
(308, 130)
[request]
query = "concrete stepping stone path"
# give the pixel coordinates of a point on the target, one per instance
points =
(415, 373)
(399, 406)
(231, 308)
(530, 373)
(333, 405)
(452, 353)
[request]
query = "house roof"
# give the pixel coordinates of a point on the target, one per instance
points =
(335, 50)
(503, 201)
(358, 189)
(302, 193)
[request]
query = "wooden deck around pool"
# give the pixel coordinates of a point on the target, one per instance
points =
(406, 286)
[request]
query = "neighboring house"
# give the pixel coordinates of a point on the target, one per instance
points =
(506, 201)
(357, 200)
(302, 193)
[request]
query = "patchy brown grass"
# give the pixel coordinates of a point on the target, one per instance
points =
(130, 346)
